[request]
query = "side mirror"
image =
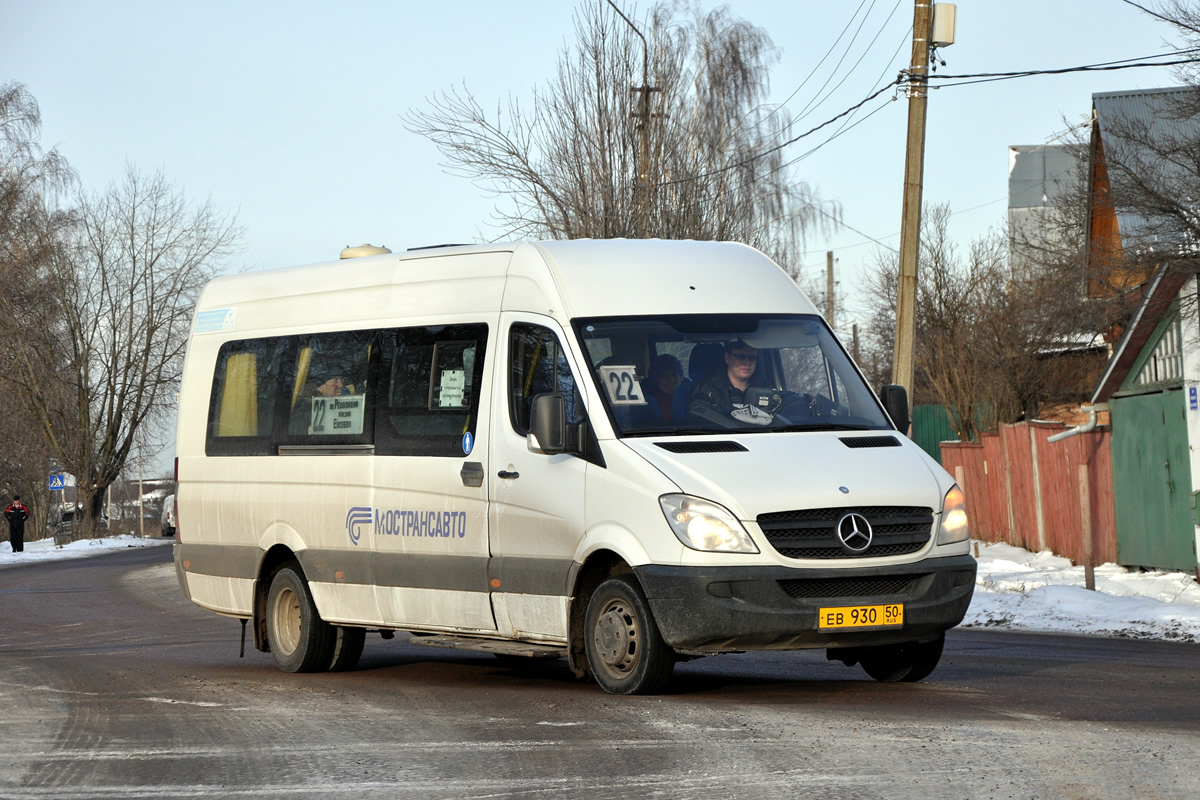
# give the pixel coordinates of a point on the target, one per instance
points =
(548, 424)
(895, 402)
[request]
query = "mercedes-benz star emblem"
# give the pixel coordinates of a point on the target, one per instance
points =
(854, 532)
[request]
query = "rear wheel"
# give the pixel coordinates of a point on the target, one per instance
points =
(300, 640)
(625, 651)
(910, 661)
(347, 648)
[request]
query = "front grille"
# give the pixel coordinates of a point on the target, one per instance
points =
(810, 533)
(848, 587)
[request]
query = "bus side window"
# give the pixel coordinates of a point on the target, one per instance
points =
(242, 403)
(431, 382)
(326, 383)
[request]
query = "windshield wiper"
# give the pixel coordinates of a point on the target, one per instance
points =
(675, 432)
(827, 426)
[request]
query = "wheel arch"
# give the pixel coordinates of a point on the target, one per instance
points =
(272, 561)
(599, 566)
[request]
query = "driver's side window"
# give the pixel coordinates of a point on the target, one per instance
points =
(538, 365)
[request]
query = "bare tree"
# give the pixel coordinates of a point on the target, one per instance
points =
(569, 165)
(98, 358)
(990, 346)
(31, 182)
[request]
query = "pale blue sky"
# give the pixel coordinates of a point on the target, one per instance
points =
(289, 113)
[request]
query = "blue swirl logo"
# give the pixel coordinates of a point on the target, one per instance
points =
(356, 519)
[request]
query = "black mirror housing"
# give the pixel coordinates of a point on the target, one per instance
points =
(548, 424)
(895, 402)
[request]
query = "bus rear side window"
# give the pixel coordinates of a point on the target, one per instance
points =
(241, 409)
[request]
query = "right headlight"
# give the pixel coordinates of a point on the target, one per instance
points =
(954, 518)
(704, 525)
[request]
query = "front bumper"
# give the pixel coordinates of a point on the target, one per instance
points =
(727, 609)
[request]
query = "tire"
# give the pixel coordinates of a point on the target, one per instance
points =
(907, 662)
(625, 652)
(300, 640)
(347, 648)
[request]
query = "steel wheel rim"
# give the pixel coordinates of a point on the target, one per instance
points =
(287, 622)
(617, 637)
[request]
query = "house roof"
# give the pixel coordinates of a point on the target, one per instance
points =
(1161, 290)
(1143, 113)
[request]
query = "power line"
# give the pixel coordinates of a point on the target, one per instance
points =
(778, 147)
(870, 45)
(1105, 66)
(982, 77)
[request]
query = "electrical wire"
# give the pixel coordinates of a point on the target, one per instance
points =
(1105, 66)
(743, 162)
(982, 77)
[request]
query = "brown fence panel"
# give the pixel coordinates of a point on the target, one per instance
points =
(999, 476)
(1024, 499)
(995, 488)
(1095, 450)
(1060, 492)
(968, 458)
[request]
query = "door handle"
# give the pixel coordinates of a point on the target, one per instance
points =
(471, 473)
(507, 475)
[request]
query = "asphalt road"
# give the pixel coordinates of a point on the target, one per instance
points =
(111, 685)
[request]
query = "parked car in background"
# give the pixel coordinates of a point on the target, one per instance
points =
(64, 525)
(168, 516)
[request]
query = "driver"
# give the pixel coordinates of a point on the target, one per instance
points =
(723, 391)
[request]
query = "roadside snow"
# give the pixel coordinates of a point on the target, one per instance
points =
(44, 549)
(1022, 591)
(1015, 590)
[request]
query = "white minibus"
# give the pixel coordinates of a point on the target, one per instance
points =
(625, 453)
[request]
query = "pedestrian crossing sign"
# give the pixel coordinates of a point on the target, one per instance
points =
(57, 481)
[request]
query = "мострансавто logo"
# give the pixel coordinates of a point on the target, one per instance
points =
(397, 522)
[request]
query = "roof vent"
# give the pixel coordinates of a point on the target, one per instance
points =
(363, 250)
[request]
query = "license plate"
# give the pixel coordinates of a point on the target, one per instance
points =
(842, 617)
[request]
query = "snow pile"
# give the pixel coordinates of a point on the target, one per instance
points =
(1015, 590)
(45, 550)
(1022, 591)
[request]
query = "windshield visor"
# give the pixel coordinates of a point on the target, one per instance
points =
(690, 374)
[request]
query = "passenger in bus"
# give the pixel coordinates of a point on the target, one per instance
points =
(666, 391)
(333, 387)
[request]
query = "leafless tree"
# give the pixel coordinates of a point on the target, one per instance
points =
(97, 358)
(31, 183)
(990, 346)
(569, 165)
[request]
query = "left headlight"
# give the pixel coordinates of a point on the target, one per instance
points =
(704, 525)
(954, 518)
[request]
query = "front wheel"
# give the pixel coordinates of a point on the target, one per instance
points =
(300, 640)
(907, 662)
(625, 651)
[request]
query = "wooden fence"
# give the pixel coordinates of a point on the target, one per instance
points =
(1024, 490)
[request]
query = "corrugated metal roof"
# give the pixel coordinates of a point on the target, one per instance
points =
(1152, 113)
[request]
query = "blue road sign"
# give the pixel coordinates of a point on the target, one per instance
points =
(58, 481)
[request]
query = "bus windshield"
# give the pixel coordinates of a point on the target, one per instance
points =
(688, 374)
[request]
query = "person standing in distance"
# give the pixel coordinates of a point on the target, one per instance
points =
(16, 514)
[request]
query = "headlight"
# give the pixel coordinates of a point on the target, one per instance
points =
(702, 525)
(954, 518)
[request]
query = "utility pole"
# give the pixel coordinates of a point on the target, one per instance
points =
(910, 226)
(829, 288)
(643, 115)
